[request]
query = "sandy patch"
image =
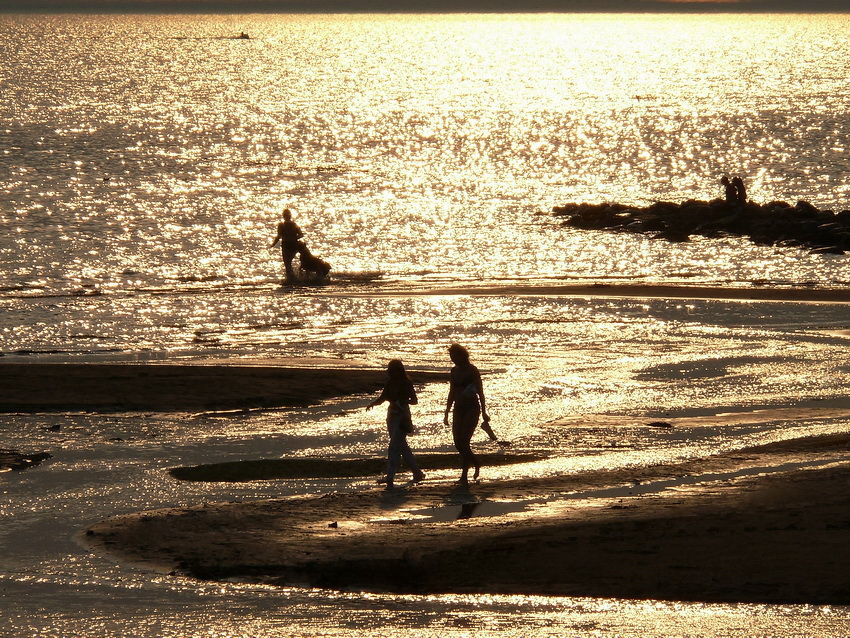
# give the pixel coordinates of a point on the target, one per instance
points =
(311, 468)
(767, 524)
(128, 387)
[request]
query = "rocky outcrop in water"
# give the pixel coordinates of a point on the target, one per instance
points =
(776, 223)
(12, 460)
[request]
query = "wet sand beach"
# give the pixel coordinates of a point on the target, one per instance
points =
(766, 524)
(163, 387)
(239, 384)
(674, 393)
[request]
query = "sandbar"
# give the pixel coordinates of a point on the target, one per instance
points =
(184, 386)
(768, 525)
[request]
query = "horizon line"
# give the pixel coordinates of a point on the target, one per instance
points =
(214, 10)
(425, 7)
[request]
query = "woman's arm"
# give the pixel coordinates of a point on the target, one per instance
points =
(449, 402)
(381, 398)
(479, 386)
(485, 418)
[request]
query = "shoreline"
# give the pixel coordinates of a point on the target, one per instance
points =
(237, 384)
(637, 291)
(753, 535)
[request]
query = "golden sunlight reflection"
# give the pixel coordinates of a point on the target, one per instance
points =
(141, 199)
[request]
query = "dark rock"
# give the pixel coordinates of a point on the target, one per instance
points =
(663, 208)
(653, 223)
(15, 461)
(762, 240)
(775, 223)
(805, 208)
(827, 250)
(567, 209)
(672, 235)
(776, 205)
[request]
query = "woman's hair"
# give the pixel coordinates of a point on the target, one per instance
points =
(395, 368)
(399, 383)
(458, 353)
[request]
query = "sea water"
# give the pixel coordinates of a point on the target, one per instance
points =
(145, 161)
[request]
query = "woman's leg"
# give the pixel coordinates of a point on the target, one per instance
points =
(393, 453)
(407, 455)
(288, 256)
(463, 426)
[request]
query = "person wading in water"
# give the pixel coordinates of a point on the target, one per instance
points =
(289, 235)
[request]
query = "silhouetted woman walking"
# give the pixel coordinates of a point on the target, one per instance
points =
(400, 394)
(466, 395)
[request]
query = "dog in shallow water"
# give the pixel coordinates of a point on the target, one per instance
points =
(312, 265)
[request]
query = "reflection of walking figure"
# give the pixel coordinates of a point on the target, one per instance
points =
(289, 235)
(400, 394)
(466, 395)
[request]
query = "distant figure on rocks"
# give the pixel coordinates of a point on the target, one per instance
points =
(289, 235)
(400, 394)
(740, 191)
(466, 395)
(730, 192)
